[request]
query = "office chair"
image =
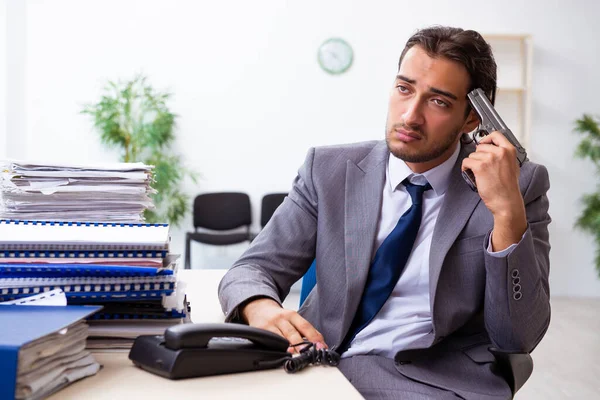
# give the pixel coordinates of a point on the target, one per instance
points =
(309, 280)
(512, 366)
(219, 212)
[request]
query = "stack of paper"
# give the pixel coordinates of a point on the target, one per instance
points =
(42, 349)
(125, 268)
(112, 192)
(78, 228)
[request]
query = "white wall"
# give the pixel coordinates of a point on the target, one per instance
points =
(16, 120)
(252, 99)
(3, 76)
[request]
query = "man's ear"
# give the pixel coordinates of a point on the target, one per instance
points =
(471, 122)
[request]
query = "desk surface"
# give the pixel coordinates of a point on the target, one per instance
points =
(120, 379)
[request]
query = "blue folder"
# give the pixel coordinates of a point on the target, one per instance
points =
(23, 324)
(93, 297)
(77, 270)
(67, 254)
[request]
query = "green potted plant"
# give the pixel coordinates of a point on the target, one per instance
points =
(135, 118)
(589, 220)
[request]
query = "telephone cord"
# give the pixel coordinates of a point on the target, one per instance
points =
(308, 355)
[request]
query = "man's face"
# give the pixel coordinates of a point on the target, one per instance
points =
(426, 113)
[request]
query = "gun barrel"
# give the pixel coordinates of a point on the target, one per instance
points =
(490, 119)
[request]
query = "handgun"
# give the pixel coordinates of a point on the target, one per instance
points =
(490, 122)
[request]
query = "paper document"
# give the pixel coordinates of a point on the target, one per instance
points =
(95, 192)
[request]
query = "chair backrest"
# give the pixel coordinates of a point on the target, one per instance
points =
(270, 202)
(309, 280)
(222, 211)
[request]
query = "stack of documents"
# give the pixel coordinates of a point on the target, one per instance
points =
(42, 349)
(117, 192)
(124, 267)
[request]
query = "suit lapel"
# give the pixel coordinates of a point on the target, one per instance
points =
(363, 196)
(459, 203)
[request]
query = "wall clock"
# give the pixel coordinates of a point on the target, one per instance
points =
(335, 56)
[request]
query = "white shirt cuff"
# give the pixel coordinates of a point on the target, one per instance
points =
(501, 253)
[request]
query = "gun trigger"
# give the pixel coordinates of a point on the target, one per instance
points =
(479, 134)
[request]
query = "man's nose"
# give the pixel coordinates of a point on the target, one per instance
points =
(413, 116)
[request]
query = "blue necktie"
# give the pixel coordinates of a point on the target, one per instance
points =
(389, 262)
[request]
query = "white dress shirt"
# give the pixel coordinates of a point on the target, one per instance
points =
(406, 315)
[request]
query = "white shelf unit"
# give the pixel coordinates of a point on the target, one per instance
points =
(513, 54)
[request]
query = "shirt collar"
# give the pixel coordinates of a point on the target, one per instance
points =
(438, 177)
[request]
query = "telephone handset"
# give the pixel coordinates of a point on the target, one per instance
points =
(191, 350)
(206, 335)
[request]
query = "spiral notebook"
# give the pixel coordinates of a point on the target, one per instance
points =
(82, 236)
(73, 268)
(86, 290)
(80, 256)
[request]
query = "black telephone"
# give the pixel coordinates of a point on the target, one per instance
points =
(191, 350)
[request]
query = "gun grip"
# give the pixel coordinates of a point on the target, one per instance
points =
(469, 177)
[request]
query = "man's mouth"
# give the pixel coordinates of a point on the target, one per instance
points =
(407, 136)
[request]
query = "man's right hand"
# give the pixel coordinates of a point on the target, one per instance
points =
(267, 314)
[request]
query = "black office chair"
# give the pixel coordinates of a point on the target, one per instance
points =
(219, 212)
(516, 368)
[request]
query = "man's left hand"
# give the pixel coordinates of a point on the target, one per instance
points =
(496, 169)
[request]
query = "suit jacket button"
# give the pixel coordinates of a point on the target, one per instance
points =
(517, 296)
(516, 288)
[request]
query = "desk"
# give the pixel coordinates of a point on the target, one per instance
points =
(120, 379)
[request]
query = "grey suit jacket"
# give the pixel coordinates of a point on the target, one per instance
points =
(477, 300)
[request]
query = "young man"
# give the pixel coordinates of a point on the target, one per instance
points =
(417, 275)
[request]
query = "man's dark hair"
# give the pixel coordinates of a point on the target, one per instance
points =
(468, 48)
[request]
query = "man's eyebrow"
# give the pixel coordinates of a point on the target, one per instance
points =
(443, 93)
(432, 89)
(404, 78)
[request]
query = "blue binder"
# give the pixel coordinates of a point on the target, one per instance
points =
(18, 329)
(68, 254)
(90, 289)
(74, 270)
